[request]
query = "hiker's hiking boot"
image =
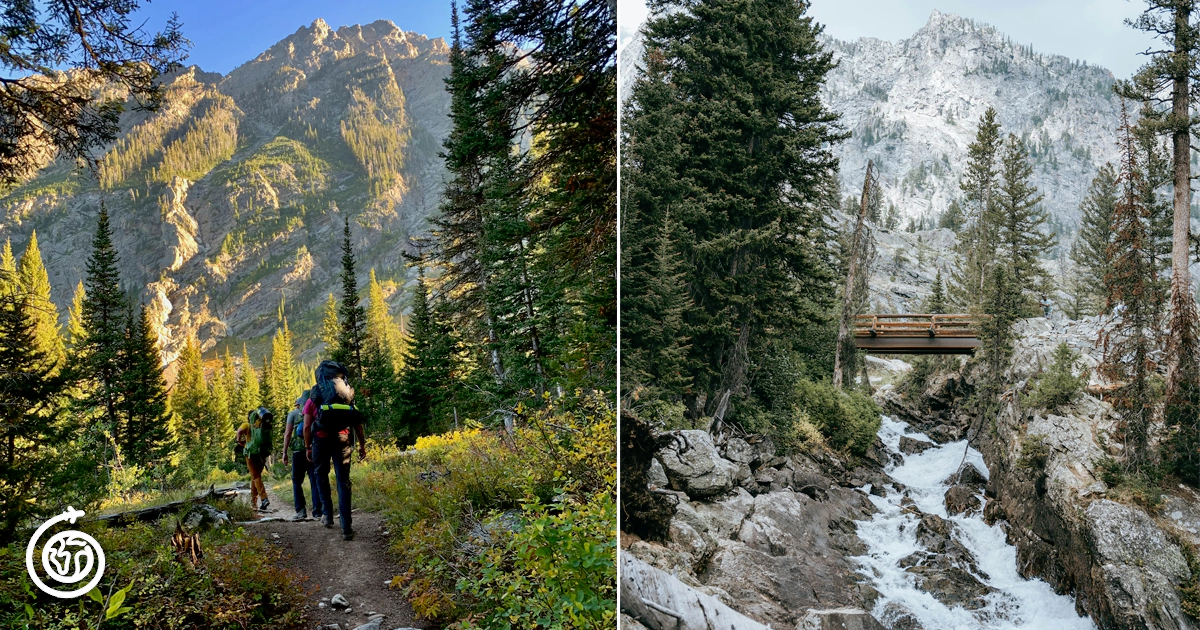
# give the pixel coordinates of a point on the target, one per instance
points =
(327, 520)
(263, 506)
(348, 534)
(300, 516)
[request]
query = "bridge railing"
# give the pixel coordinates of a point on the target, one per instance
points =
(917, 325)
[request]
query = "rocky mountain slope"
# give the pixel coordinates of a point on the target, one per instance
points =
(913, 105)
(229, 201)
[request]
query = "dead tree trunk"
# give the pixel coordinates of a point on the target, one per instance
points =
(857, 249)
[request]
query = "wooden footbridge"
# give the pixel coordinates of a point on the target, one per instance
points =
(917, 334)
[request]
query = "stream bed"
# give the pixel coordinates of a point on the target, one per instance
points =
(891, 537)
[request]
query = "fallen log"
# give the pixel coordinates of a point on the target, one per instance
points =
(155, 512)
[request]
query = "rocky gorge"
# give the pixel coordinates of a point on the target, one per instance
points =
(947, 522)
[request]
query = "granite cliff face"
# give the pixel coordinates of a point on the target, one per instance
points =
(230, 199)
(913, 107)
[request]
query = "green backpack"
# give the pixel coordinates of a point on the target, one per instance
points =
(260, 432)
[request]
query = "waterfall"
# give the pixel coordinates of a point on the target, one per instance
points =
(891, 535)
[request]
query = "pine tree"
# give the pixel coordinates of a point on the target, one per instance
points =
(1089, 252)
(145, 432)
(1021, 225)
(937, 299)
(281, 378)
(382, 331)
(42, 447)
(194, 423)
(891, 220)
(35, 283)
(953, 218)
(330, 328)
(1156, 172)
(977, 238)
(249, 394)
(1127, 342)
(727, 133)
(462, 245)
(104, 318)
(224, 399)
(655, 343)
(351, 316)
(76, 329)
(1172, 70)
(8, 264)
(428, 367)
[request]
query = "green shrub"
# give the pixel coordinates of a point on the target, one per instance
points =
(847, 420)
(1034, 452)
(546, 498)
(238, 583)
(1059, 386)
(1135, 487)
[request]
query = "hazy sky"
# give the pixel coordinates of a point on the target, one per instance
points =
(228, 33)
(1091, 30)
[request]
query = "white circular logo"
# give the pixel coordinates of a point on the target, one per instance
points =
(67, 558)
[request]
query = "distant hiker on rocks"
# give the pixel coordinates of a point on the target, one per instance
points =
(293, 446)
(1045, 303)
(329, 417)
(256, 435)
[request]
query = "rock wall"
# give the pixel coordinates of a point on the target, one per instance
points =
(1122, 563)
(770, 536)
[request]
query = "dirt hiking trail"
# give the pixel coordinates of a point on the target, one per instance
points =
(356, 569)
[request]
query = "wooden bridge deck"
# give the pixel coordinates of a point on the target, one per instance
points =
(917, 334)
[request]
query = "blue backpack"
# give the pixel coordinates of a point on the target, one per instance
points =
(334, 399)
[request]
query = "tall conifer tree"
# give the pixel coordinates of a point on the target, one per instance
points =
(104, 318)
(977, 239)
(1127, 342)
(195, 423)
(1089, 252)
(351, 316)
(428, 367)
(727, 133)
(1021, 220)
(35, 283)
(145, 433)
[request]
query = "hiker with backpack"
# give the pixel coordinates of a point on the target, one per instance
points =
(329, 418)
(256, 435)
(293, 447)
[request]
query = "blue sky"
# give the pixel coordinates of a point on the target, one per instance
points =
(228, 33)
(1091, 30)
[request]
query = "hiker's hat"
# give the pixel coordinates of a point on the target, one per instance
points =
(303, 398)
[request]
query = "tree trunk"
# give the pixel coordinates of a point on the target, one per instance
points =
(1181, 364)
(856, 247)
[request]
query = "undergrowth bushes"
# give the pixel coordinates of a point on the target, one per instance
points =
(238, 583)
(847, 420)
(500, 530)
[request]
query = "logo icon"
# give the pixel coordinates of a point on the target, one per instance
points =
(67, 558)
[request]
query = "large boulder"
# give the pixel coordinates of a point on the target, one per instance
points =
(660, 601)
(839, 619)
(1140, 567)
(963, 499)
(694, 466)
(946, 569)
(911, 446)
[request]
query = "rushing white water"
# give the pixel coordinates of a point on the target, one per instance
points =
(892, 535)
